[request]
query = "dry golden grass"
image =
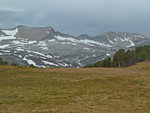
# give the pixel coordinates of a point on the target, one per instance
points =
(71, 90)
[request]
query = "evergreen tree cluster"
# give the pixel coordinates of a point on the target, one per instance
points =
(124, 58)
(3, 62)
(12, 64)
(6, 63)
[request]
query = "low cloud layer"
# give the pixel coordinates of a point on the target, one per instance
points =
(78, 16)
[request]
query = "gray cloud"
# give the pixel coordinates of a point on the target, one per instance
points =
(78, 16)
(11, 18)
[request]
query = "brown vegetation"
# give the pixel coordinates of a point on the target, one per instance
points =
(71, 90)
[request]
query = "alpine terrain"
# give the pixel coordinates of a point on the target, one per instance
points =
(44, 47)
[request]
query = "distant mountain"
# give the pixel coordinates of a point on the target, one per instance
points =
(44, 47)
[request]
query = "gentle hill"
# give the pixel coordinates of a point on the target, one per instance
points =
(72, 90)
(141, 66)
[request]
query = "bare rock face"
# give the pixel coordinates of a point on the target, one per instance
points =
(34, 33)
(44, 47)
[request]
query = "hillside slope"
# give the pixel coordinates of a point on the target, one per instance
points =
(83, 90)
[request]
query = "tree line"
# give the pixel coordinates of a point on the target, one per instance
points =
(6, 63)
(124, 58)
(2, 62)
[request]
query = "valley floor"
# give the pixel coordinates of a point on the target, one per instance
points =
(71, 90)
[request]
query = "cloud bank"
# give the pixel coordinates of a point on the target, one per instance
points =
(78, 16)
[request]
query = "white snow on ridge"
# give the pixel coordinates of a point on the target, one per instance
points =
(6, 51)
(115, 39)
(131, 44)
(48, 56)
(86, 48)
(50, 63)
(91, 42)
(44, 48)
(68, 43)
(38, 53)
(111, 41)
(19, 43)
(64, 64)
(31, 42)
(29, 61)
(43, 45)
(127, 39)
(66, 38)
(35, 52)
(20, 49)
(108, 54)
(23, 42)
(7, 38)
(4, 46)
(140, 36)
(11, 34)
(123, 39)
(52, 40)
(85, 41)
(20, 56)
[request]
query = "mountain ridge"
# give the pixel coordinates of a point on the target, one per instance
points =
(45, 47)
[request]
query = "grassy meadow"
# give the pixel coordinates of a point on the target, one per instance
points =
(72, 90)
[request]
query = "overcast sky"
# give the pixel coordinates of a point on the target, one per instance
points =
(78, 16)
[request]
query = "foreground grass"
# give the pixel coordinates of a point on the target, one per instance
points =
(68, 90)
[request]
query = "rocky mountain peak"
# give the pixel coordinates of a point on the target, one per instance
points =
(34, 33)
(44, 47)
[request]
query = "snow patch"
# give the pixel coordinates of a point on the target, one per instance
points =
(11, 34)
(111, 41)
(86, 48)
(131, 43)
(6, 51)
(127, 39)
(19, 49)
(43, 45)
(29, 61)
(94, 55)
(66, 38)
(44, 48)
(91, 42)
(4, 46)
(49, 63)
(31, 42)
(20, 56)
(35, 52)
(48, 56)
(85, 41)
(52, 40)
(108, 54)
(38, 53)
(7, 38)
(64, 64)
